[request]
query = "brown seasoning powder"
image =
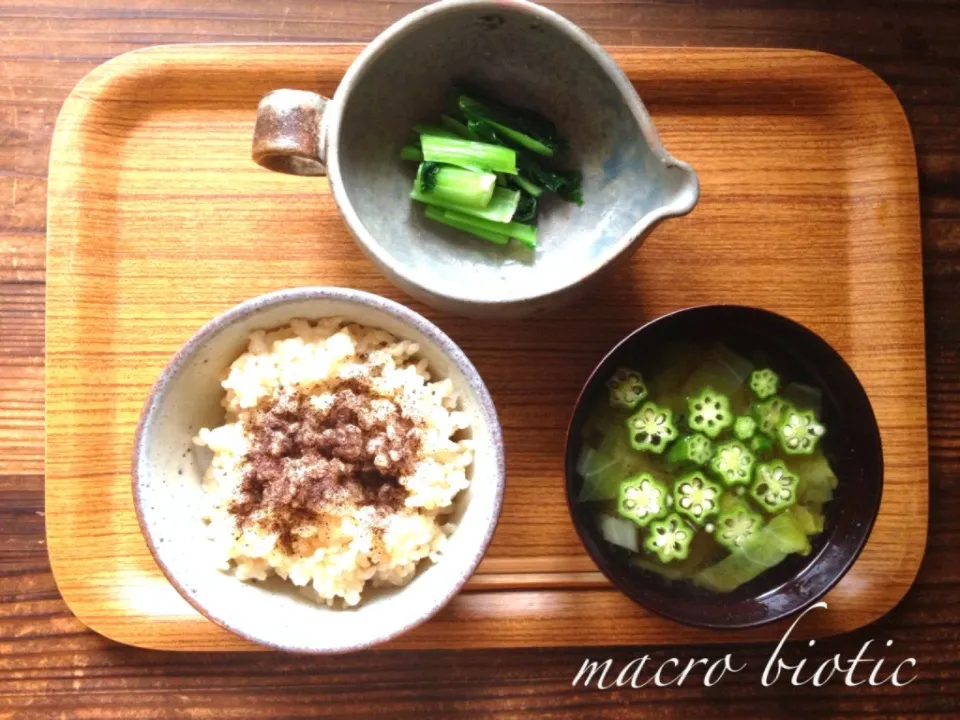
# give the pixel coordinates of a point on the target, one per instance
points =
(305, 461)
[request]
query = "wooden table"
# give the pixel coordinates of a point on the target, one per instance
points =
(50, 665)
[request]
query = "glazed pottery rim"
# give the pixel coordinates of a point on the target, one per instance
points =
(606, 567)
(447, 347)
(681, 204)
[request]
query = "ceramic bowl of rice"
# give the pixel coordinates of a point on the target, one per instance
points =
(318, 470)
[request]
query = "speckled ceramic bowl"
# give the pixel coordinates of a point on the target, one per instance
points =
(168, 467)
(520, 53)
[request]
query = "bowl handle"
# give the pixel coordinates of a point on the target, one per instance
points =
(287, 136)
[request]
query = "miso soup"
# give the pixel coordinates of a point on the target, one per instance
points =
(707, 465)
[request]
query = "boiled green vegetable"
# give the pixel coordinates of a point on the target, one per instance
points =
(719, 368)
(455, 185)
(478, 139)
(611, 460)
(811, 522)
(525, 128)
(817, 478)
(468, 154)
(619, 531)
(440, 215)
(525, 234)
(501, 209)
(760, 551)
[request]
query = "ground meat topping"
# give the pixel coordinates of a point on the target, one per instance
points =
(308, 457)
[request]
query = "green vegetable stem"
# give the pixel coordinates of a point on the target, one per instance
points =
(502, 205)
(468, 154)
(428, 129)
(456, 185)
(456, 127)
(440, 215)
(525, 234)
(411, 152)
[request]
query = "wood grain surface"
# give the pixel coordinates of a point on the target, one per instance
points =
(51, 666)
(158, 220)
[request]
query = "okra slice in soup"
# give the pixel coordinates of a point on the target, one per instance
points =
(709, 412)
(744, 427)
(733, 463)
(761, 445)
(695, 449)
(769, 414)
(696, 497)
(669, 539)
(736, 525)
(651, 428)
(626, 388)
(642, 499)
(775, 487)
(799, 432)
(764, 383)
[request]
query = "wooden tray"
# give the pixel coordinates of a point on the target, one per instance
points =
(159, 220)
